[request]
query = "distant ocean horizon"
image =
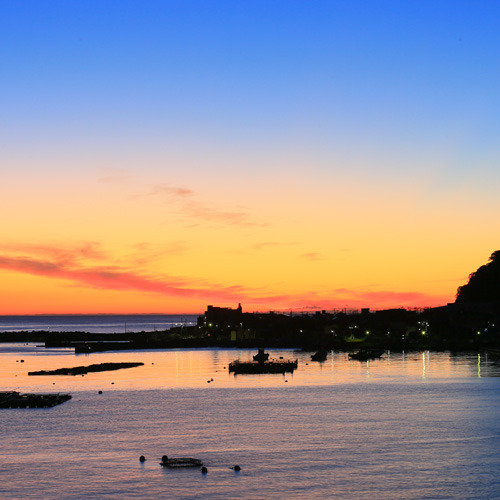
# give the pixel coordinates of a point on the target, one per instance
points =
(95, 323)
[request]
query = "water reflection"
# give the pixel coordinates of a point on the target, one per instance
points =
(197, 368)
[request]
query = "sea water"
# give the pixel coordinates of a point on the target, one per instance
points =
(95, 323)
(419, 425)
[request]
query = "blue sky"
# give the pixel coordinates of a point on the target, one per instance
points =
(414, 72)
(356, 114)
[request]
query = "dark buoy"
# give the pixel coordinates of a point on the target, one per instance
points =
(100, 392)
(142, 458)
(22, 360)
(211, 380)
(237, 468)
(286, 380)
(204, 470)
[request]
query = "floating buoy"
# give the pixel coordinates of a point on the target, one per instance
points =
(208, 381)
(22, 360)
(211, 380)
(204, 470)
(142, 458)
(100, 392)
(286, 380)
(112, 382)
(236, 468)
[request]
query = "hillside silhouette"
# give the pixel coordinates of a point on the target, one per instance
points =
(483, 285)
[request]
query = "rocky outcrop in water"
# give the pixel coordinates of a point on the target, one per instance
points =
(82, 370)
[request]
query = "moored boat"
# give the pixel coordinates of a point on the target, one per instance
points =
(180, 462)
(320, 355)
(366, 354)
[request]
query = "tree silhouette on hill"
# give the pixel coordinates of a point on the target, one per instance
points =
(484, 284)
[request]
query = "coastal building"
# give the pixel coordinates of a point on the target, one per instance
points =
(222, 316)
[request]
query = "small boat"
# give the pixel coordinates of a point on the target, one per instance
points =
(180, 462)
(366, 354)
(321, 355)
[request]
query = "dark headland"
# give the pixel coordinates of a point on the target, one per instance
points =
(471, 322)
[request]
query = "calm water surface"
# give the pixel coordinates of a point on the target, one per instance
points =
(95, 323)
(423, 425)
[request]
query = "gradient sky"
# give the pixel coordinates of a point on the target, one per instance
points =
(159, 156)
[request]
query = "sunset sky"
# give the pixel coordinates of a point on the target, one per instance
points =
(159, 156)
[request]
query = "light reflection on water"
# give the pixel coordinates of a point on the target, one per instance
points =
(418, 425)
(195, 368)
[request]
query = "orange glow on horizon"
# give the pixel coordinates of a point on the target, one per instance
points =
(143, 247)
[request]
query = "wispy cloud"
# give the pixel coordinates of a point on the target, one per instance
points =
(271, 244)
(192, 208)
(29, 266)
(166, 189)
(144, 253)
(344, 298)
(312, 256)
(118, 278)
(114, 176)
(385, 299)
(205, 213)
(60, 252)
(56, 263)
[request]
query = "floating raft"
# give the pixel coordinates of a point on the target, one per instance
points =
(272, 366)
(181, 462)
(14, 399)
